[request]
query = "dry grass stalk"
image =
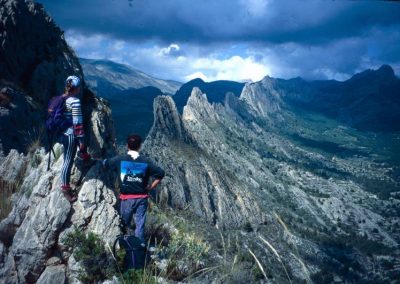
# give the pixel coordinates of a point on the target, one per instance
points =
(276, 254)
(258, 263)
(297, 255)
(6, 191)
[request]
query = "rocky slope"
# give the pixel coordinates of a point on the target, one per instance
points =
(107, 78)
(239, 164)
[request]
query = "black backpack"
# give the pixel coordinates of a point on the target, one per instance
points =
(135, 256)
(56, 123)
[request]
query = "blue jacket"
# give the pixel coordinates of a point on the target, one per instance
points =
(134, 174)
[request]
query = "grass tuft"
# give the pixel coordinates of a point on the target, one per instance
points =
(33, 139)
(6, 191)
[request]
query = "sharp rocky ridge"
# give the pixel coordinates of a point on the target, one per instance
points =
(235, 163)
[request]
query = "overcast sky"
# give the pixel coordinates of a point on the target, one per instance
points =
(234, 39)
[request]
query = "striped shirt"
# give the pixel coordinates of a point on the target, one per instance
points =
(73, 112)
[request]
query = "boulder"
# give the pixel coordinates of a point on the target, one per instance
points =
(53, 274)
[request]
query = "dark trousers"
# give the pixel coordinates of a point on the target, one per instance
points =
(70, 144)
(137, 206)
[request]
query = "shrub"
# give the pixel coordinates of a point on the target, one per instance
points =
(247, 227)
(144, 276)
(184, 253)
(89, 250)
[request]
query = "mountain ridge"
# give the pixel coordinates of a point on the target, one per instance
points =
(117, 77)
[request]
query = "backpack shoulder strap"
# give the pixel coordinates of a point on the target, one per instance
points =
(115, 244)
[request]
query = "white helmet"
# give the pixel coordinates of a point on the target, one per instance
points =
(73, 81)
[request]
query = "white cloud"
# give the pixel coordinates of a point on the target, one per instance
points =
(170, 49)
(234, 68)
(79, 41)
(183, 62)
(169, 62)
(118, 45)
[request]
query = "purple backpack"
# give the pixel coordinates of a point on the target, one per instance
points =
(56, 122)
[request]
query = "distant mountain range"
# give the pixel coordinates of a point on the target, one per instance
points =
(369, 100)
(107, 78)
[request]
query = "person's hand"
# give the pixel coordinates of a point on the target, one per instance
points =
(85, 156)
(82, 148)
(153, 184)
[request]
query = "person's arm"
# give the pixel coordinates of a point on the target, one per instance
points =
(111, 163)
(77, 123)
(154, 184)
(157, 174)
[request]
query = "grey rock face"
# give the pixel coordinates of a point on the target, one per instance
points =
(100, 131)
(53, 274)
(261, 97)
(166, 119)
(13, 166)
(37, 234)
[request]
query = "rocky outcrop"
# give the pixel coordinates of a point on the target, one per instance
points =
(167, 121)
(41, 217)
(262, 97)
(53, 274)
(193, 178)
(33, 234)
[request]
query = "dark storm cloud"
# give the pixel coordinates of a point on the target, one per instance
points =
(305, 22)
(177, 38)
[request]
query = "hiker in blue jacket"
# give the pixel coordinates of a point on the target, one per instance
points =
(73, 136)
(135, 185)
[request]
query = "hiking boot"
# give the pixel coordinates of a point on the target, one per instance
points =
(68, 194)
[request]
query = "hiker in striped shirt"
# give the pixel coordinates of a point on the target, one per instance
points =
(73, 136)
